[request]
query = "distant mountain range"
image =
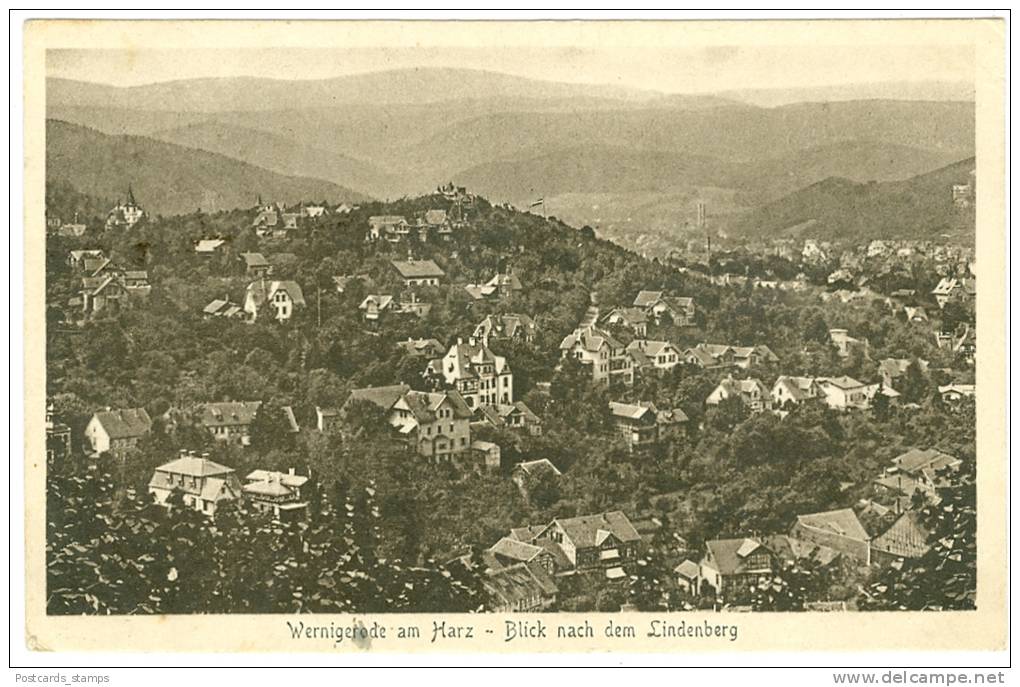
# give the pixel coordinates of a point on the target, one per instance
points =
(633, 163)
(835, 208)
(169, 179)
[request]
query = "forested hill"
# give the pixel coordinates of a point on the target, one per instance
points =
(170, 179)
(917, 208)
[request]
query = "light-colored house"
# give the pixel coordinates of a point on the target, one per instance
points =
(76, 259)
(657, 305)
(117, 431)
(845, 343)
(230, 421)
(603, 541)
(950, 288)
(659, 355)
(419, 272)
(607, 357)
(838, 529)
(203, 484)
(284, 297)
(390, 227)
(478, 374)
(794, 390)
(209, 247)
(711, 356)
(125, 215)
(375, 305)
(103, 293)
(952, 393)
(752, 392)
(436, 424)
(846, 393)
(275, 492)
(506, 283)
(731, 566)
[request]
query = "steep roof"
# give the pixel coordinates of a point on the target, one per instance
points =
(424, 404)
(730, 555)
(799, 388)
(688, 569)
(842, 522)
(124, 424)
(263, 290)
(590, 339)
(584, 530)
(907, 537)
(519, 582)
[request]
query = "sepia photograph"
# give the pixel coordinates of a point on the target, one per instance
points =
(669, 332)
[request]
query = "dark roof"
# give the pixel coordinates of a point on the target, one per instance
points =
(519, 582)
(382, 396)
(584, 530)
(423, 404)
(916, 459)
(124, 424)
(907, 537)
(229, 413)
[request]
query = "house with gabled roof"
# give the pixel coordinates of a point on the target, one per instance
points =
(478, 374)
(513, 416)
(794, 390)
(751, 392)
(223, 307)
(950, 288)
(642, 424)
(105, 292)
(422, 348)
(255, 265)
(731, 566)
(279, 493)
(520, 588)
(230, 421)
(419, 272)
(907, 538)
(715, 356)
(845, 393)
(508, 326)
(654, 355)
(525, 473)
(605, 541)
(838, 529)
(117, 431)
(506, 283)
(603, 353)
(393, 228)
(284, 297)
(76, 259)
(209, 247)
(634, 319)
(657, 305)
(125, 215)
(375, 305)
(846, 344)
(203, 483)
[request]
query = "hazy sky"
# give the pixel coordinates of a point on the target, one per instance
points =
(676, 70)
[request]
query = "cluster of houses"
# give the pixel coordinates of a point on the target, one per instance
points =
(105, 285)
(881, 531)
(396, 228)
(204, 485)
(125, 214)
(119, 430)
(522, 568)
